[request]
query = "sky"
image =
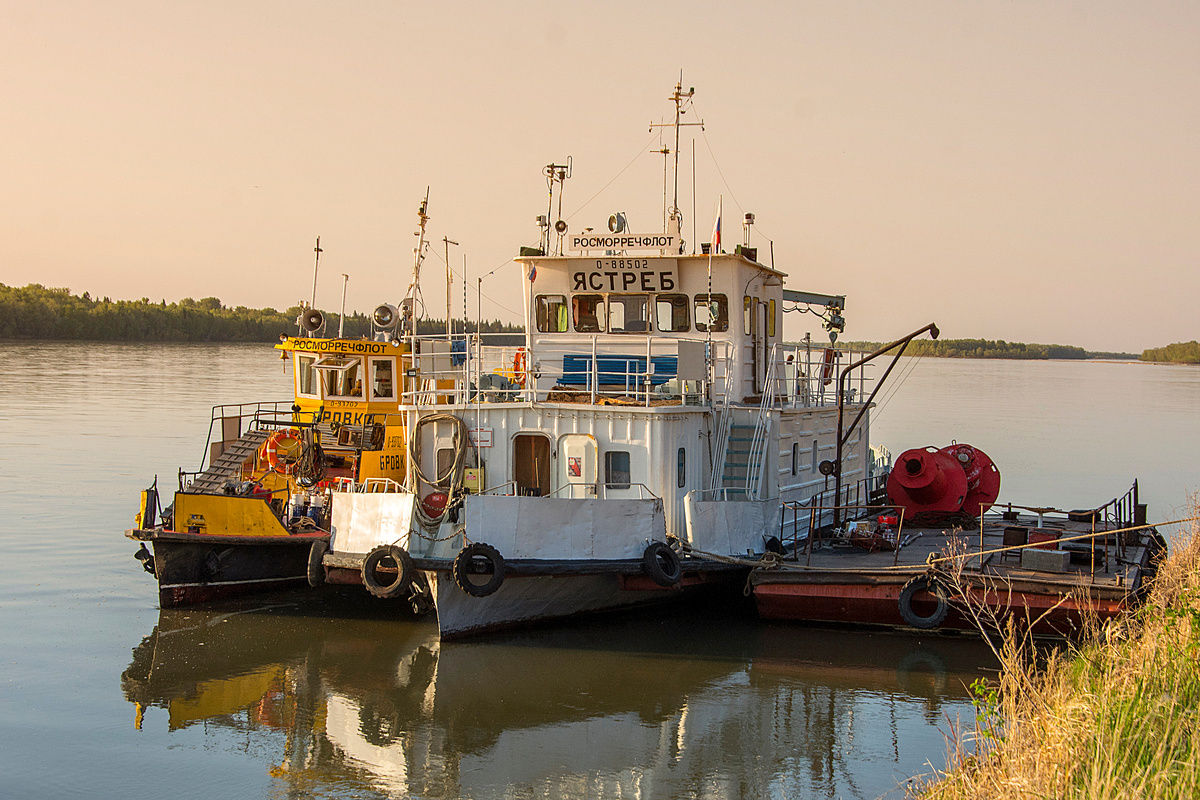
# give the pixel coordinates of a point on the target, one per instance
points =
(1027, 171)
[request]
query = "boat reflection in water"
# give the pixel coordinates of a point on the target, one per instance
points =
(658, 704)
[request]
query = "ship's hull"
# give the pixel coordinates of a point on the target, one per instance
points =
(195, 569)
(526, 599)
(1053, 609)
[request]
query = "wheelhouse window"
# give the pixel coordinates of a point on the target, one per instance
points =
(306, 376)
(341, 376)
(587, 310)
(551, 313)
(681, 468)
(629, 313)
(770, 318)
(671, 313)
(616, 469)
(712, 310)
(382, 387)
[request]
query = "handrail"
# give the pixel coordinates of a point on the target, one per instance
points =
(614, 486)
(527, 374)
(364, 486)
(218, 413)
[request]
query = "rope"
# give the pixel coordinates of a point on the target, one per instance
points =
(450, 481)
(933, 561)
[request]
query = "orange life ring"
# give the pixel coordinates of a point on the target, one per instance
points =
(827, 366)
(273, 445)
(520, 365)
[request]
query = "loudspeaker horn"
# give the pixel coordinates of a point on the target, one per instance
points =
(312, 320)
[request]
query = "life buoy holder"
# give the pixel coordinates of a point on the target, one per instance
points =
(275, 443)
(478, 559)
(404, 570)
(661, 565)
(520, 366)
(923, 583)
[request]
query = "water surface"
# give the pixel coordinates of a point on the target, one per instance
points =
(292, 696)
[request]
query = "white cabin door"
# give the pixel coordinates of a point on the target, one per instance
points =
(577, 463)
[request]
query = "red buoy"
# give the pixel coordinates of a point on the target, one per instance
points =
(434, 504)
(983, 479)
(927, 481)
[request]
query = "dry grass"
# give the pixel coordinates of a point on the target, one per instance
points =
(1115, 717)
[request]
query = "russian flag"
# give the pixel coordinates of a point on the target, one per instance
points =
(716, 233)
(532, 272)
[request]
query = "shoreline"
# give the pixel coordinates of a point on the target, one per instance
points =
(1113, 716)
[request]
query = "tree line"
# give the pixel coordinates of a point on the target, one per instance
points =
(38, 312)
(1178, 353)
(978, 348)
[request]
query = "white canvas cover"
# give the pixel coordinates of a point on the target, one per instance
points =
(561, 528)
(361, 521)
(730, 527)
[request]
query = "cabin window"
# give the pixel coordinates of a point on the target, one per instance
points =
(814, 456)
(770, 318)
(712, 309)
(671, 313)
(551, 312)
(382, 387)
(341, 376)
(445, 464)
(588, 312)
(681, 468)
(748, 313)
(795, 456)
(306, 376)
(629, 313)
(616, 469)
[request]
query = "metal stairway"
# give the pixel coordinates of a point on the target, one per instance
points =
(229, 464)
(738, 446)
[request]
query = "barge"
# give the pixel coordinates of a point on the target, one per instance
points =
(1046, 571)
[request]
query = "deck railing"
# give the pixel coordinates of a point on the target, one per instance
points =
(800, 376)
(817, 511)
(465, 369)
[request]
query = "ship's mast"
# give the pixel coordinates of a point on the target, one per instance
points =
(414, 288)
(682, 101)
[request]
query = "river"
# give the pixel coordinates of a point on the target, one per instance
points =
(290, 696)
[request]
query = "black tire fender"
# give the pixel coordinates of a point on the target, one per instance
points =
(316, 562)
(404, 570)
(923, 583)
(475, 559)
(661, 564)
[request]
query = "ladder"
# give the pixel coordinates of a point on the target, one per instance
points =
(229, 464)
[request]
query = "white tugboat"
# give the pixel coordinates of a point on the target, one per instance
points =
(652, 411)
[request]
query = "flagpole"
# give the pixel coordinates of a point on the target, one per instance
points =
(712, 247)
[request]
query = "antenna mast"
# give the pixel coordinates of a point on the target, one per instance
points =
(682, 101)
(414, 288)
(556, 173)
(316, 265)
(447, 241)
